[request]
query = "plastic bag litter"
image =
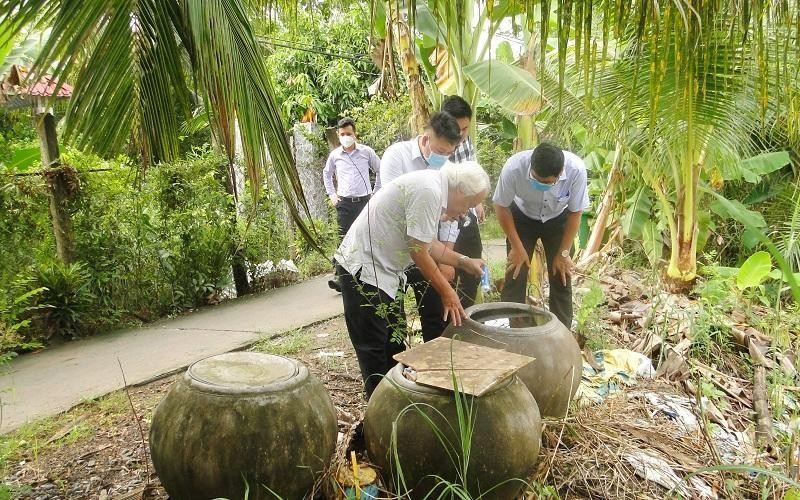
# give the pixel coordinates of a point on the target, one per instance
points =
(620, 367)
(657, 470)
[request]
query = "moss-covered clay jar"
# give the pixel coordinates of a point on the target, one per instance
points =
(506, 435)
(240, 421)
(554, 375)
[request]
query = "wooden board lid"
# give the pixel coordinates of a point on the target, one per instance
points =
(477, 369)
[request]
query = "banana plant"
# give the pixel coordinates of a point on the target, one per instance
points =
(686, 97)
(454, 48)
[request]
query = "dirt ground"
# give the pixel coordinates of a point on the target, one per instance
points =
(98, 451)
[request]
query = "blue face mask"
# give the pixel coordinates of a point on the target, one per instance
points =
(540, 186)
(436, 161)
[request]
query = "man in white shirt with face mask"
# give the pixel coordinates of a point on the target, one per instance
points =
(429, 151)
(350, 163)
(540, 195)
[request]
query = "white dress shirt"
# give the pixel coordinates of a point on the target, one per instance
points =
(352, 171)
(404, 157)
(569, 192)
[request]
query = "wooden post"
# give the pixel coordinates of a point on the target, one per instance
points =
(59, 188)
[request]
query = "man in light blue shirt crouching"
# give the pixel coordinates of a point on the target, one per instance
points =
(540, 195)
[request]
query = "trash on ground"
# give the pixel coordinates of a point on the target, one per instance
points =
(656, 469)
(618, 368)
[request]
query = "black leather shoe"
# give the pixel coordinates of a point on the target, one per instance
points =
(334, 284)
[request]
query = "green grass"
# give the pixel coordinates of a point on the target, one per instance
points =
(111, 404)
(8, 492)
(286, 344)
(30, 437)
(79, 423)
(490, 229)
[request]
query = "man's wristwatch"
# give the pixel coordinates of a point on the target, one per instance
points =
(565, 253)
(461, 260)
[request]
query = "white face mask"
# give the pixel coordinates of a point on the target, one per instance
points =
(347, 140)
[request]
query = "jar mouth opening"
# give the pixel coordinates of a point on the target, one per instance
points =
(245, 373)
(511, 317)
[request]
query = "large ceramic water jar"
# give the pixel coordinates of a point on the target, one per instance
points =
(242, 421)
(554, 375)
(506, 434)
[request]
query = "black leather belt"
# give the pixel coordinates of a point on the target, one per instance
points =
(355, 200)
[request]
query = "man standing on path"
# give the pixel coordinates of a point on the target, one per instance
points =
(430, 150)
(399, 227)
(350, 163)
(541, 194)
(463, 235)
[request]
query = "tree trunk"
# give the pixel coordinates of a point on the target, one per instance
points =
(683, 256)
(310, 161)
(408, 59)
(238, 262)
(61, 184)
(603, 211)
(229, 143)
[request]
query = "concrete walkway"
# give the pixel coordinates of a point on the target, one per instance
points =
(54, 380)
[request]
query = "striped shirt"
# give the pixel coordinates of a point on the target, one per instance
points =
(464, 152)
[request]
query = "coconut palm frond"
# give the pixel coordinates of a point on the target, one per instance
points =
(133, 62)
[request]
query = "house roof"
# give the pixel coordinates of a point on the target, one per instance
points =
(15, 85)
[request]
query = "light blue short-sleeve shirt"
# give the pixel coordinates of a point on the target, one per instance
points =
(569, 192)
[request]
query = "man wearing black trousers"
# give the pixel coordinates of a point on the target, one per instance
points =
(541, 194)
(350, 163)
(429, 151)
(399, 227)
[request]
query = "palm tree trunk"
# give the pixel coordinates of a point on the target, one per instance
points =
(226, 142)
(60, 186)
(683, 257)
(238, 262)
(416, 90)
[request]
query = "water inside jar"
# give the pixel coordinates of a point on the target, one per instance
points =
(506, 319)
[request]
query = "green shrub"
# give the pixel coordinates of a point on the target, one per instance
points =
(264, 230)
(148, 244)
(381, 123)
(588, 314)
(12, 324)
(26, 235)
(59, 299)
(161, 248)
(311, 262)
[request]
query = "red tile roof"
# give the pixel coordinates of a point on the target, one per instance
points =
(14, 83)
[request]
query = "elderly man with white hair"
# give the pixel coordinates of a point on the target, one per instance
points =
(399, 227)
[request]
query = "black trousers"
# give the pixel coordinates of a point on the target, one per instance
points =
(429, 304)
(347, 211)
(375, 326)
(469, 244)
(551, 233)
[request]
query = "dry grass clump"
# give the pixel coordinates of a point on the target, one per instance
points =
(591, 453)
